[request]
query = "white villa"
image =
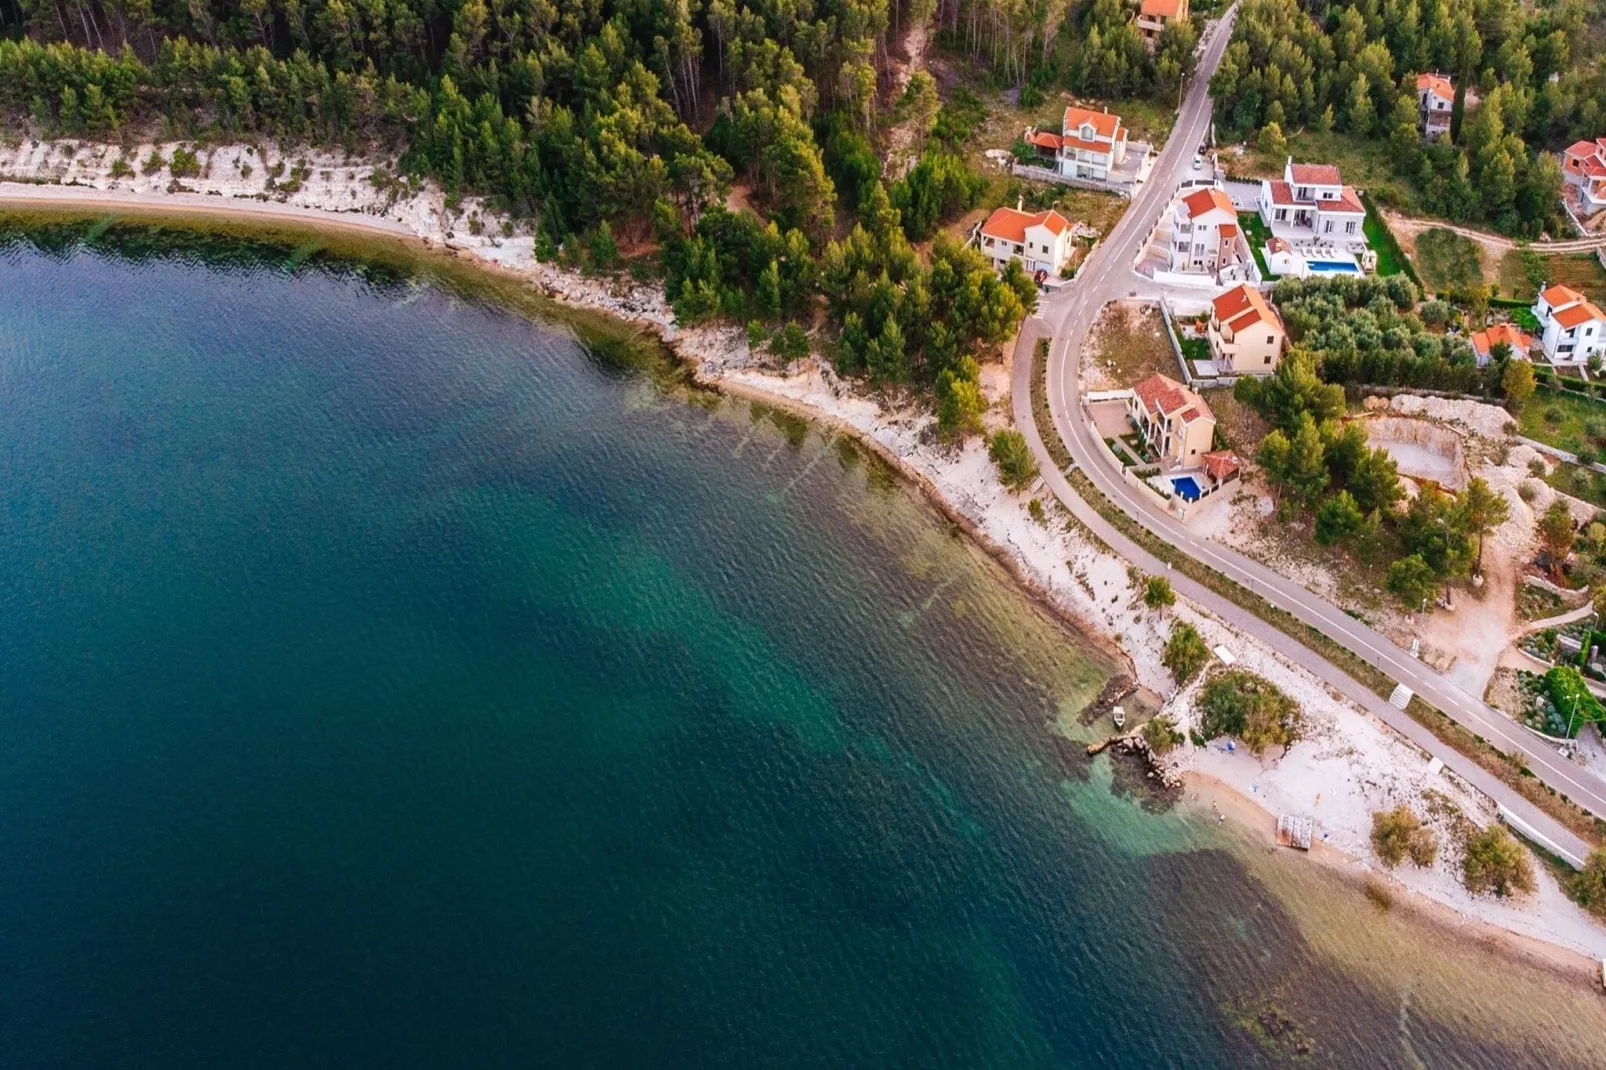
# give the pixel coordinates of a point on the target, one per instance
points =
(1583, 167)
(1041, 241)
(1206, 238)
(1435, 99)
(1320, 220)
(1090, 144)
(1572, 328)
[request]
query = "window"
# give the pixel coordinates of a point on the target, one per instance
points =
(1329, 228)
(1268, 358)
(1350, 229)
(1271, 339)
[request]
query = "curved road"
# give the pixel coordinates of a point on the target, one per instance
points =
(1066, 316)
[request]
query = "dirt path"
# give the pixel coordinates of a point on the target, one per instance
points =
(1495, 246)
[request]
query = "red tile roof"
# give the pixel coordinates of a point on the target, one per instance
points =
(1582, 312)
(1348, 201)
(1558, 295)
(1104, 124)
(1201, 201)
(1316, 174)
(1243, 306)
(1282, 192)
(1483, 342)
(1045, 139)
(1587, 148)
(1163, 9)
(1441, 86)
(1160, 393)
(1011, 225)
(1219, 464)
(1091, 146)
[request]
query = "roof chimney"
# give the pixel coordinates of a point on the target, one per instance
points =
(1020, 203)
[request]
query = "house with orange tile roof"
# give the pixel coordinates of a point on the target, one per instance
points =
(1205, 236)
(1175, 421)
(1583, 166)
(1041, 241)
(1484, 342)
(1155, 15)
(1310, 206)
(1245, 332)
(1435, 101)
(1092, 144)
(1572, 327)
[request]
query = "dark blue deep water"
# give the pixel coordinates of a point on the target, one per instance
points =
(391, 680)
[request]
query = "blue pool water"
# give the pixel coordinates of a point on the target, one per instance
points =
(1331, 267)
(1188, 487)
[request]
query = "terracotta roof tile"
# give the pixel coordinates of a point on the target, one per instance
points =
(1204, 200)
(1162, 9)
(1011, 225)
(1582, 312)
(1483, 342)
(1220, 464)
(1316, 174)
(1441, 86)
(1243, 306)
(1163, 394)
(1104, 124)
(1559, 295)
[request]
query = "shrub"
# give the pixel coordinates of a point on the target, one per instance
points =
(1184, 654)
(1571, 697)
(1554, 415)
(1157, 593)
(1538, 468)
(1527, 491)
(1035, 509)
(1495, 862)
(1239, 703)
(1009, 452)
(121, 168)
(1586, 456)
(1161, 734)
(1588, 885)
(790, 343)
(1398, 833)
(154, 162)
(185, 162)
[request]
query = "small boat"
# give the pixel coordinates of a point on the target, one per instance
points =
(1119, 716)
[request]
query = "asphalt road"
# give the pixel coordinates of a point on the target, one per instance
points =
(1067, 316)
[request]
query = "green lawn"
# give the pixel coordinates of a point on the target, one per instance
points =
(1562, 420)
(1257, 234)
(1390, 257)
(1581, 483)
(1447, 261)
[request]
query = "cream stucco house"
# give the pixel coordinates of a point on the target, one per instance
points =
(1246, 333)
(1177, 423)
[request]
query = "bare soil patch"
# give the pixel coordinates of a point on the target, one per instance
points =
(1127, 345)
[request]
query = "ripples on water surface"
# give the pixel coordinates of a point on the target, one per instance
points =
(388, 680)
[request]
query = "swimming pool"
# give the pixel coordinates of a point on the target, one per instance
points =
(1187, 487)
(1331, 267)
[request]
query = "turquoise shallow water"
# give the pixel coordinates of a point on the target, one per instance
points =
(390, 680)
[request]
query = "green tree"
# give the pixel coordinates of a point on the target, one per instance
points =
(790, 343)
(1375, 482)
(1556, 535)
(1517, 382)
(1157, 593)
(1271, 142)
(1016, 465)
(1412, 581)
(1337, 519)
(1239, 703)
(960, 401)
(1482, 510)
(1185, 653)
